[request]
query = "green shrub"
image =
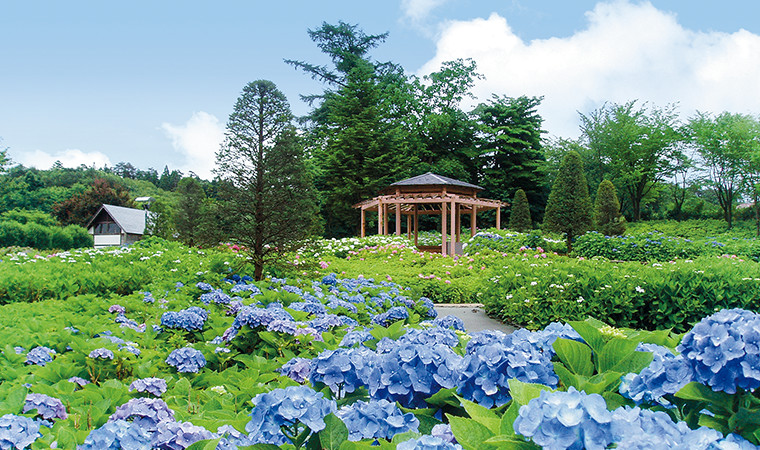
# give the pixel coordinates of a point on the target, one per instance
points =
(25, 216)
(80, 237)
(519, 218)
(60, 239)
(36, 236)
(607, 217)
(11, 234)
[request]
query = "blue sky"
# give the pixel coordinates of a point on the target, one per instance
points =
(153, 83)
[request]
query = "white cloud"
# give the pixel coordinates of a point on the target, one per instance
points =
(626, 52)
(198, 140)
(416, 10)
(68, 158)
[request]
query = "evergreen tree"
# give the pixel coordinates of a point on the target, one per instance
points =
(568, 209)
(519, 218)
(510, 149)
(269, 195)
(607, 217)
(354, 133)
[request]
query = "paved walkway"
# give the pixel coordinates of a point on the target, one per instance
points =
(473, 316)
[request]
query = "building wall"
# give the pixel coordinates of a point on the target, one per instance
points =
(106, 240)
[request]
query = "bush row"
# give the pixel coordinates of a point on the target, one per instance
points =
(43, 237)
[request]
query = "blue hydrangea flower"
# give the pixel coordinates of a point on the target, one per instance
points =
(178, 435)
(102, 353)
(427, 442)
(492, 358)
(242, 287)
(148, 297)
(449, 321)
(190, 319)
(117, 309)
(335, 369)
(561, 420)
(330, 279)
(286, 407)
(215, 296)
(231, 438)
(427, 308)
(186, 359)
(376, 419)
(80, 381)
(338, 303)
(431, 336)
(641, 429)
(203, 286)
(352, 338)
(393, 314)
(667, 374)
(144, 412)
(316, 309)
(18, 431)
(724, 350)
(151, 385)
(297, 369)
(40, 355)
(283, 326)
(49, 408)
(255, 317)
(443, 431)
(116, 435)
(326, 322)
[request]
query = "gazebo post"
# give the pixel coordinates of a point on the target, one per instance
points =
(385, 220)
(453, 227)
(498, 217)
(443, 228)
(408, 226)
(473, 220)
(398, 219)
(459, 223)
(363, 224)
(416, 224)
(380, 218)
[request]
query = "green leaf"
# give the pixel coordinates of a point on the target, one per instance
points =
(633, 363)
(334, 433)
(615, 351)
(565, 376)
(575, 355)
(14, 401)
(508, 419)
(701, 393)
(511, 442)
(470, 434)
(590, 334)
(206, 444)
(522, 393)
(482, 415)
(443, 397)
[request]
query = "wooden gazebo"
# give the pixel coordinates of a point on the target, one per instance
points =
(429, 194)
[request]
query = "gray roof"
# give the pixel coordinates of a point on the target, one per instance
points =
(130, 220)
(435, 180)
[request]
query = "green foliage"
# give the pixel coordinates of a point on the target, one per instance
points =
(519, 218)
(607, 217)
(24, 216)
(80, 208)
(569, 207)
(42, 237)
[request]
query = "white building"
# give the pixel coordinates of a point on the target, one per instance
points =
(116, 226)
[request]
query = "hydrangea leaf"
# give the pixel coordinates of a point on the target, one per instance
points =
(13, 403)
(575, 355)
(482, 415)
(615, 351)
(508, 419)
(590, 334)
(470, 434)
(699, 392)
(444, 397)
(633, 363)
(511, 442)
(522, 393)
(334, 433)
(206, 444)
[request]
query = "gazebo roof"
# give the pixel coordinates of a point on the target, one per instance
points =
(431, 179)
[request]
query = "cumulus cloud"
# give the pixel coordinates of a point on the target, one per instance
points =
(625, 52)
(417, 10)
(68, 158)
(198, 140)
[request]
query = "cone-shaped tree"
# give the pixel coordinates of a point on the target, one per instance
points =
(607, 217)
(569, 207)
(519, 218)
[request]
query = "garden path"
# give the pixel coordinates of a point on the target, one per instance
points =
(473, 316)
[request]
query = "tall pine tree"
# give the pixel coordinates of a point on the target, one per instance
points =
(568, 209)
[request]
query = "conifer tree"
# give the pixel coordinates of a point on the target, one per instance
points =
(519, 218)
(607, 217)
(569, 207)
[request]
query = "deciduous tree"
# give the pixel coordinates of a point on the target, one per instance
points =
(79, 208)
